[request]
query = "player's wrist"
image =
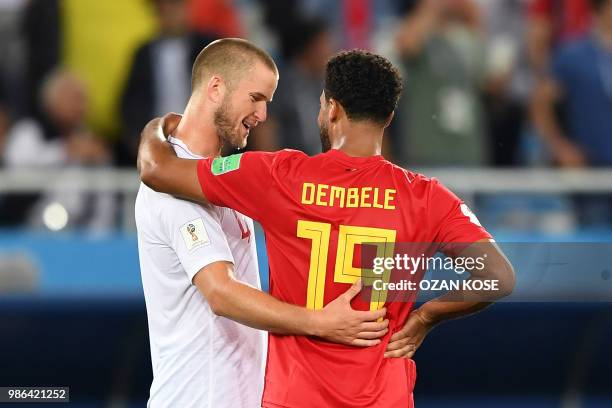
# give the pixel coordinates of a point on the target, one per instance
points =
(428, 319)
(315, 324)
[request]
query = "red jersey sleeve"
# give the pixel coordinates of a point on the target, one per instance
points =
(239, 181)
(451, 220)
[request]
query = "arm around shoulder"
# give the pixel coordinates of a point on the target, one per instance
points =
(162, 170)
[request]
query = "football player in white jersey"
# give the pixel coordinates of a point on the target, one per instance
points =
(199, 264)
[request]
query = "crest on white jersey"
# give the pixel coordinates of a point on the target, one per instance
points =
(194, 234)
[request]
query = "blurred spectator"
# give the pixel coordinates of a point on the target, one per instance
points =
(581, 76)
(4, 127)
(508, 77)
(215, 16)
(552, 23)
(42, 32)
(95, 39)
(440, 113)
(12, 48)
(357, 22)
(160, 77)
(59, 140)
(353, 23)
(280, 15)
(292, 118)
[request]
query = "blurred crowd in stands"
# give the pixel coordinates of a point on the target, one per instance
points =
(486, 82)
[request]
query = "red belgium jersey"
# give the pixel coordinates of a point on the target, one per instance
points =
(315, 211)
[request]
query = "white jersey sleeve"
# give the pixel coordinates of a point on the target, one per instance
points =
(195, 235)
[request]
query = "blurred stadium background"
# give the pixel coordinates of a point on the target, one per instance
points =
(79, 79)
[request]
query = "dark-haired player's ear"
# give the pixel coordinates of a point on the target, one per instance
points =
(389, 119)
(334, 111)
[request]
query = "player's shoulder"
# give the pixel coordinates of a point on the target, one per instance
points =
(286, 158)
(413, 178)
(275, 157)
(166, 208)
(291, 154)
(277, 153)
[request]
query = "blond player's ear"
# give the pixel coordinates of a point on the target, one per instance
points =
(215, 89)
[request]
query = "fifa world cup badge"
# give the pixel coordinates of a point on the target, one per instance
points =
(194, 234)
(191, 229)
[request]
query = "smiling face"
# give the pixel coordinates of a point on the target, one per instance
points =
(244, 105)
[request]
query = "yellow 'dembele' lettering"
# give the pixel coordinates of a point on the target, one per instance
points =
(365, 194)
(324, 195)
(376, 203)
(308, 190)
(336, 192)
(321, 193)
(389, 196)
(352, 198)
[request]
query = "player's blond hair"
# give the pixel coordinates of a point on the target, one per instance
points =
(230, 58)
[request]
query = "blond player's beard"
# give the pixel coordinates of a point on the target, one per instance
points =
(225, 128)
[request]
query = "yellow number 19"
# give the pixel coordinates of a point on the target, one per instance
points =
(344, 271)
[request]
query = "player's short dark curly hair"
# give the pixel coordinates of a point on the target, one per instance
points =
(367, 85)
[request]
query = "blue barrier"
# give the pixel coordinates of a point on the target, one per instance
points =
(75, 264)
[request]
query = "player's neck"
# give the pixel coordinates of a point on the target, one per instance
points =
(358, 139)
(198, 133)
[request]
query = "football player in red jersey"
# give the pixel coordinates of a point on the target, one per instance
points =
(315, 211)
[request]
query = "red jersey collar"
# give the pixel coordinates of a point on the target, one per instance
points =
(345, 158)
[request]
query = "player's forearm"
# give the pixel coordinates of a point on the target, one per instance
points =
(153, 152)
(257, 309)
(497, 277)
(162, 170)
(449, 306)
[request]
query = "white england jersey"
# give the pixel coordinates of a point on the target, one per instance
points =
(199, 359)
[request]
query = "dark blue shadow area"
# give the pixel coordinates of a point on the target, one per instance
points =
(97, 347)
(530, 349)
(512, 355)
(85, 327)
(505, 402)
